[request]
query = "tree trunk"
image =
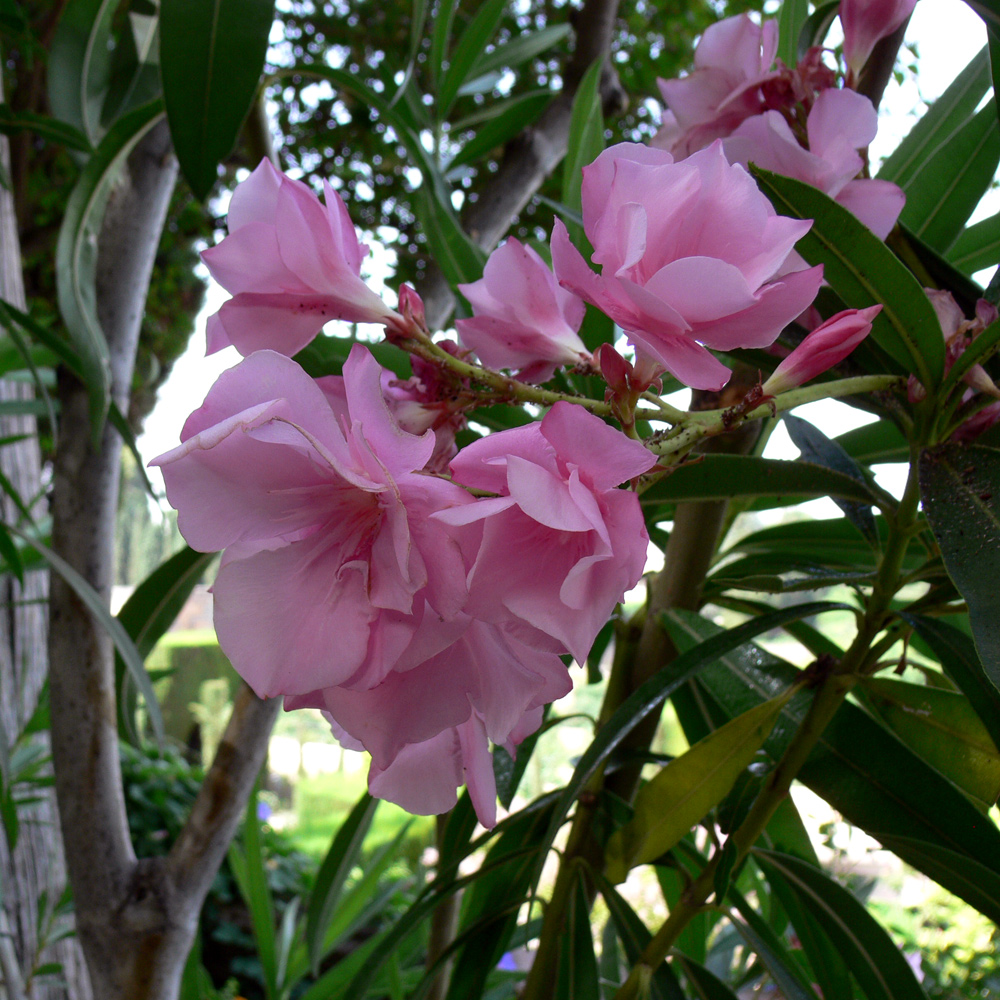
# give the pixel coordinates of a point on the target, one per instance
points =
(33, 876)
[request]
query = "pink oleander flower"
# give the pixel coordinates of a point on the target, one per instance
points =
(521, 318)
(331, 553)
(560, 544)
(825, 347)
(732, 60)
(291, 264)
(453, 691)
(839, 124)
(865, 23)
(691, 253)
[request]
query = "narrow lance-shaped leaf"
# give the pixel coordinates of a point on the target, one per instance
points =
(576, 972)
(97, 607)
(957, 654)
(467, 51)
(211, 57)
(586, 141)
(935, 127)
(332, 875)
(816, 447)
(942, 727)
(867, 949)
(960, 495)
(858, 766)
(977, 247)
(76, 253)
(79, 64)
(11, 123)
(949, 184)
(792, 16)
(520, 49)
(863, 275)
(684, 791)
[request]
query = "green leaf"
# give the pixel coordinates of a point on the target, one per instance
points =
(586, 142)
(211, 57)
(943, 728)
(76, 253)
(134, 78)
(516, 115)
(816, 447)
(651, 694)
(957, 654)
(687, 788)
(771, 951)
(945, 190)
(520, 49)
(459, 258)
(827, 965)
(80, 64)
(444, 18)
(720, 477)
(981, 885)
(345, 849)
(635, 936)
(865, 274)
(815, 28)
(150, 610)
(935, 128)
(157, 601)
(576, 969)
(247, 866)
(858, 766)
(867, 950)
(96, 605)
(960, 492)
(704, 984)
(881, 441)
(467, 52)
(977, 246)
(792, 17)
(12, 122)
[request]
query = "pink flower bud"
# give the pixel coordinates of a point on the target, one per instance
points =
(866, 22)
(827, 345)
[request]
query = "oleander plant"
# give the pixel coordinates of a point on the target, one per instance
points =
(443, 504)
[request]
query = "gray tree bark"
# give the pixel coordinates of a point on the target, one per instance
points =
(34, 873)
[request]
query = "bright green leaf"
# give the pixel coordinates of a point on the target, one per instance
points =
(977, 247)
(687, 788)
(586, 141)
(943, 728)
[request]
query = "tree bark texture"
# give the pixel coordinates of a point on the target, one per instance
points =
(33, 876)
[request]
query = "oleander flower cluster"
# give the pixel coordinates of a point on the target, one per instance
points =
(426, 597)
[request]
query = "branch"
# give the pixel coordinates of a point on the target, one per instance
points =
(531, 157)
(202, 844)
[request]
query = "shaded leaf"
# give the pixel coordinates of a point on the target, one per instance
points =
(467, 52)
(867, 950)
(211, 57)
(520, 113)
(586, 142)
(12, 122)
(792, 18)
(576, 971)
(881, 441)
(960, 491)
(520, 49)
(80, 64)
(816, 447)
(345, 849)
